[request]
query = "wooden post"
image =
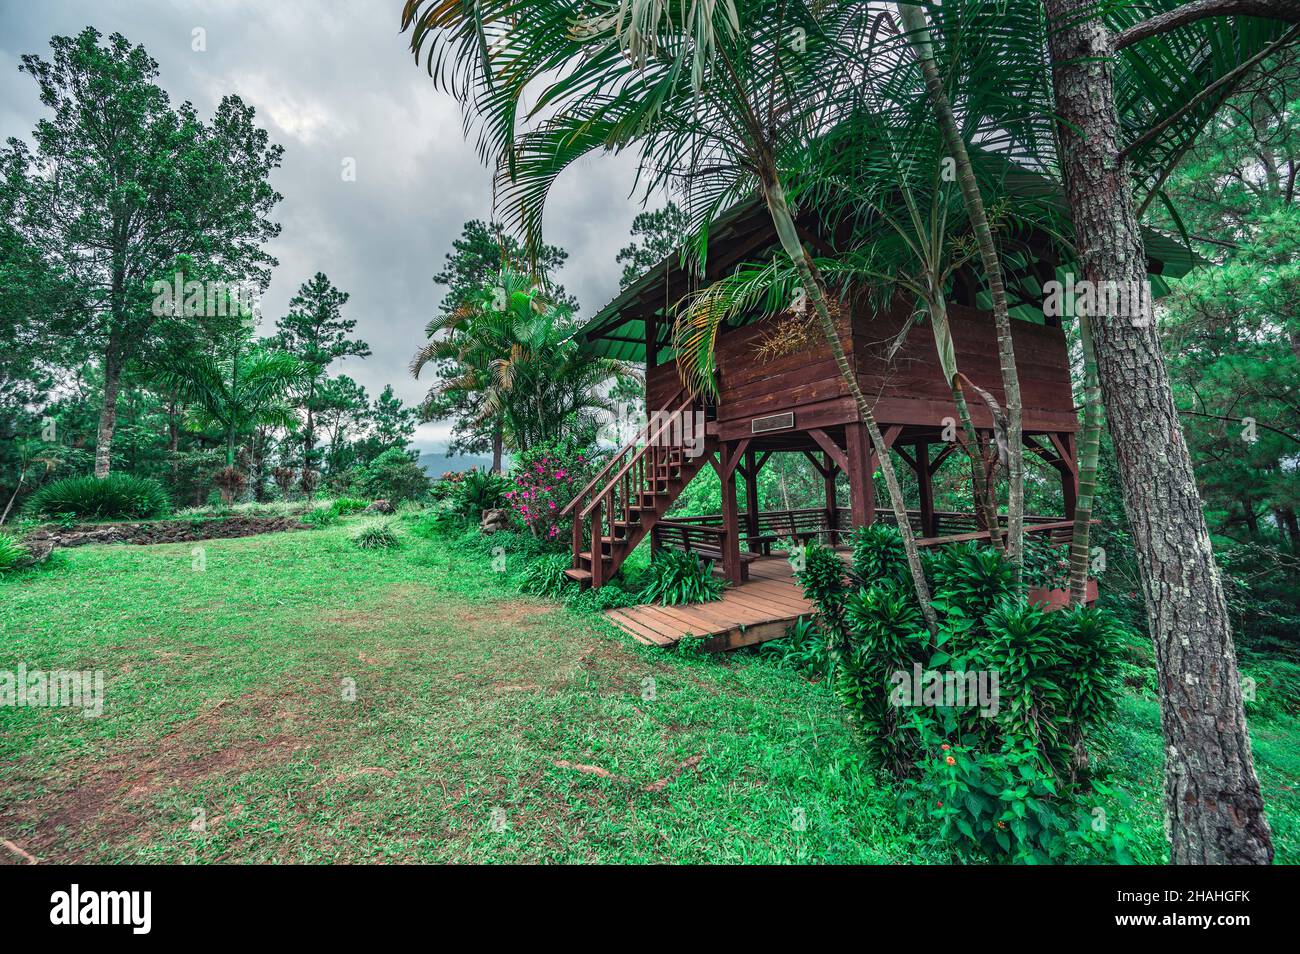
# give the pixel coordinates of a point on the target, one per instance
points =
(1069, 468)
(597, 549)
(731, 524)
(728, 457)
(926, 489)
(828, 479)
(751, 498)
(862, 492)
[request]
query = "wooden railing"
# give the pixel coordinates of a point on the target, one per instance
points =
(782, 524)
(622, 453)
(640, 467)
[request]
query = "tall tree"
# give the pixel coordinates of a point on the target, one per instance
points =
(343, 408)
(1212, 796)
(394, 422)
(507, 353)
(655, 235)
(316, 333)
(484, 249)
(119, 184)
(237, 387)
(918, 28)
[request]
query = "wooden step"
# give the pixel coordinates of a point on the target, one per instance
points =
(581, 577)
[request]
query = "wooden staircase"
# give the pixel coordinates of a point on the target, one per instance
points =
(634, 490)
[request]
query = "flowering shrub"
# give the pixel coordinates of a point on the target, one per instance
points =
(543, 482)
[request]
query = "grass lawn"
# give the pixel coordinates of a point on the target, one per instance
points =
(485, 726)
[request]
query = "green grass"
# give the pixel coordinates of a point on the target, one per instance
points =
(225, 694)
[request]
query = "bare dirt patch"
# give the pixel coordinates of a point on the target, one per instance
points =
(104, 799)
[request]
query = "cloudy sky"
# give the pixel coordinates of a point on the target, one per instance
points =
(333, 80)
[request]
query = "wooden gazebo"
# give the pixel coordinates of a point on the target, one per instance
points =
(798, 402)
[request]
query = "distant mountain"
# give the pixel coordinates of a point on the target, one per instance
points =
(435, 465)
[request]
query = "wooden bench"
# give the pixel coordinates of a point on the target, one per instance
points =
(777, 525)
(696, 537)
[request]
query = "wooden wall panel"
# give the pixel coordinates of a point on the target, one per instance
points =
(909, 389)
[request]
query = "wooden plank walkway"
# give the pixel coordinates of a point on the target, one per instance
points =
(759, 609)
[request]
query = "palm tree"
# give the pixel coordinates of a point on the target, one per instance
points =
(507, 352)
(711, 94)
(887, 177)
(240, 387)
(918, 28)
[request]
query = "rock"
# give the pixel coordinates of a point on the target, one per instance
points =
(38, 551)
(380, 506)
(494, 521)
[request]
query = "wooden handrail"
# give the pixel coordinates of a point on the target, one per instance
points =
(649, 443)
(641, 434)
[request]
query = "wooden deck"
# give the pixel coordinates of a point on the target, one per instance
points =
(757, 610)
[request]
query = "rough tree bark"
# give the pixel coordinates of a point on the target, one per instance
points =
(1214, 810)
(108, 411)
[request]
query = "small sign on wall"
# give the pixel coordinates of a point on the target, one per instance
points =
(773, 422)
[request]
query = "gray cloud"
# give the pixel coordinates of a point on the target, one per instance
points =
(334, 81)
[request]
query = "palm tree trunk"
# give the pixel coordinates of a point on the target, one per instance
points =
(1215, 812)
(1089, 447)
(793, 247)
(938, 311)
(916, 24)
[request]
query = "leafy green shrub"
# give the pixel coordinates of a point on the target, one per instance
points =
(1271, 688)
(593, 600)
(376, 536)
(478, 490)
(803, 648)
(11, 552)
(1040, 680)
(92, 498)
(321, 517)
(971, 579)
(823, 582)
(1046, 565)
(438, 520)
(393, 476)
(678, 576)
(344, 506)
(544, 576)
(878, 554)
(1002, 804)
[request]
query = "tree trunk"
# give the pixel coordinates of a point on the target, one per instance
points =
(793, 247)
(497, 442)
(915, 22)
(1292, 525)
(108, 412)
(1215, 813)
(1089, 449)
(938, 310)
